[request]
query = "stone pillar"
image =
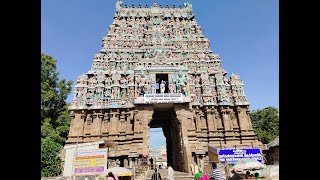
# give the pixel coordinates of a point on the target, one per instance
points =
(122, 122)
(135, 161)
(196, 117)
(212, 126)
(72, 123)
(130, 163)
(218, 119)
(249, 120)
(198, 159)
(96, 125)
(243, 119)
(202, 121)
(147, 119)
(129, 117)
(215, 121)
(141, 127)
(226, 120)
(105, 125)
(138, 126)
(125, 163)
(114, 122)
(87, 125)
(81, 123)
(229, 118)
(234, 120)
(202, 161)
(76, 125)
(183, 116)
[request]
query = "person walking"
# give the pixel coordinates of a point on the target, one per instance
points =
(111, 176)
(170, 174)
(156, 175)
(216, 173)
(151, 162)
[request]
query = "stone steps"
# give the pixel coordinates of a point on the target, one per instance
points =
(177, 175)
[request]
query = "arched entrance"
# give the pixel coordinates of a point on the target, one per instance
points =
(164, 117)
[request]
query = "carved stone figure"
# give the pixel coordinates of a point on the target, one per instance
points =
(116, 78)
(90, 95)
(131, 90)
(162, 87)
(204, 78)
(107, 93)
(123, 93)
(115, 93)
(123, 81)
(211, 80)
(140, 87)
(108, 81)
(172, 88)
(77, 94)
(92, 81)
(99, 92)
(197, 81)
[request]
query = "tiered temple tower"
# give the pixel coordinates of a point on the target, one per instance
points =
(156, 69)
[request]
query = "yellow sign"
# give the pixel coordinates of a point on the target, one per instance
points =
(213, 154)
(90, 162)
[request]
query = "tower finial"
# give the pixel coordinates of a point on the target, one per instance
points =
(118, 4)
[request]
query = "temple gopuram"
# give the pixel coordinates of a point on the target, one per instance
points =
(156, 70)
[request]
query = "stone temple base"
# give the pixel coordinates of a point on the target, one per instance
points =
(188, 132)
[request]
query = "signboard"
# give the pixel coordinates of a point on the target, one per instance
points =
(234, 155)
(213, 154)
(163, 98)
(90, 162)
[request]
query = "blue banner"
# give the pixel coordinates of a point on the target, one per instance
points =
(234, 155)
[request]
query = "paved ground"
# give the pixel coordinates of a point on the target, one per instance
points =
(177, 175)
(273, 169)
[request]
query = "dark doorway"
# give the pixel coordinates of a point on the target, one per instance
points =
(159, 78)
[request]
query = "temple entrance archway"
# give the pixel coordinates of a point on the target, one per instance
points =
(165, 118)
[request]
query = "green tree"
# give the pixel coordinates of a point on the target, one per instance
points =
(53, 92)
(265, 123)
(55, 119)
(50, 161)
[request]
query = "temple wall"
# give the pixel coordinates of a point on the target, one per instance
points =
(194, 130)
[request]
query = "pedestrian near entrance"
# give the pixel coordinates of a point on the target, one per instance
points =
(170, 175)
(151, 163)
(111, 176)
(156, 175)
(216, 173)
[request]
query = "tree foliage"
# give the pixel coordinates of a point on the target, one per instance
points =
(265, 123)
(53, 92)
(55, 118)
(50, 161)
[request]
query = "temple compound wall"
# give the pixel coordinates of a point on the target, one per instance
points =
(156, 69)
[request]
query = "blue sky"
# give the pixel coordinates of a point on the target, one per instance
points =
(245, 33)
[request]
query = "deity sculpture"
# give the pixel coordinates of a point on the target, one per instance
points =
(107, 93)
(172, 88)
(162, 87)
